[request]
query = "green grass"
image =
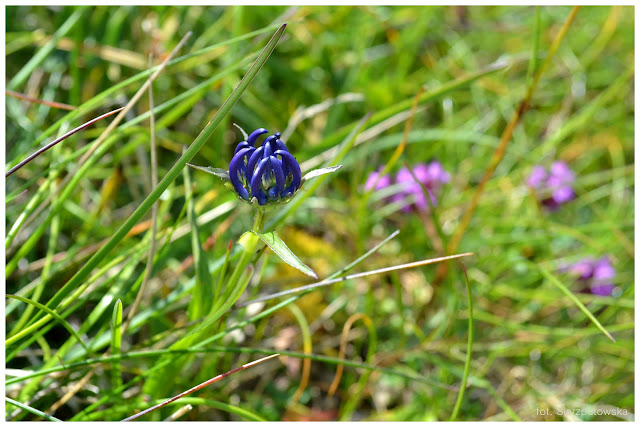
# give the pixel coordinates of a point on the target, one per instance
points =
(80, 231)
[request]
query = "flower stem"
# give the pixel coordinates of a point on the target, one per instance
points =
(258, 223)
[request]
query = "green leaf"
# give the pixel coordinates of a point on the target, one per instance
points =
(116, 343)
(317, 172)
(202, 297)
(220, 173)
(276, 244)
(51, 313)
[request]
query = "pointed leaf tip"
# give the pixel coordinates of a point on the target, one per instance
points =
(318, 172)
(276, 244)
(220, 173)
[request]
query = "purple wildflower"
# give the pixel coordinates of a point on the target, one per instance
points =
(431, 176)
(594, 275)
(380, 184)
(554, 186)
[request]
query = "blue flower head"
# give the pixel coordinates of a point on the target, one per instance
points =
(264, 176)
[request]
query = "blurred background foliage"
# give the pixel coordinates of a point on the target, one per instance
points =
(533, 348)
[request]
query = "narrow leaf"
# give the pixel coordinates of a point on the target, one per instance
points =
(575, 300)
(276, 244)
(116, 343)
(51, 313)
(30, 409)
(220, 173)
(317, 172)
(203, 290)
(328, 281)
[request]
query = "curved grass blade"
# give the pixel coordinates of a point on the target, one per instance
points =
(62, 138)
(51, 313)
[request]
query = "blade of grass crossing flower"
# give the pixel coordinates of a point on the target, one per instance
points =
(28, 408)
(171, 175)
(399, 149)
(199, 386)
(202, 297)
(116, 343)
(467, 362)
(554, 281)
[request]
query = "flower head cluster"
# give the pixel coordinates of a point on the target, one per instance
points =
(431, 176)
(268, 174)
(554, 186)
(594, 275)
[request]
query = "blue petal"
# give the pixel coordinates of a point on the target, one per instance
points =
(234, 167)
(276, 166)
(256, 180)
(292, 164)
(268, 146)
(255, 134)
(243, 144)
(253, 160)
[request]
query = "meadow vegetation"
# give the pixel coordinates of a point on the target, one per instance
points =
(506, 132)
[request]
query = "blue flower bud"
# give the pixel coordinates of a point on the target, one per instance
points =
(268, 174)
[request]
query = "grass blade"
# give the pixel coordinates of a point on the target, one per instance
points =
(467, 362)
(52, 314)
(327, 282)
(199, 386)
(62, 138)
(30, 409)
(116, 343)
(203, 291)
(575, 300)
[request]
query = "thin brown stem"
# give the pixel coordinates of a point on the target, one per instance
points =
(52, 104)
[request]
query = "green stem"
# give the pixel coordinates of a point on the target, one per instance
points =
(259, 221)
